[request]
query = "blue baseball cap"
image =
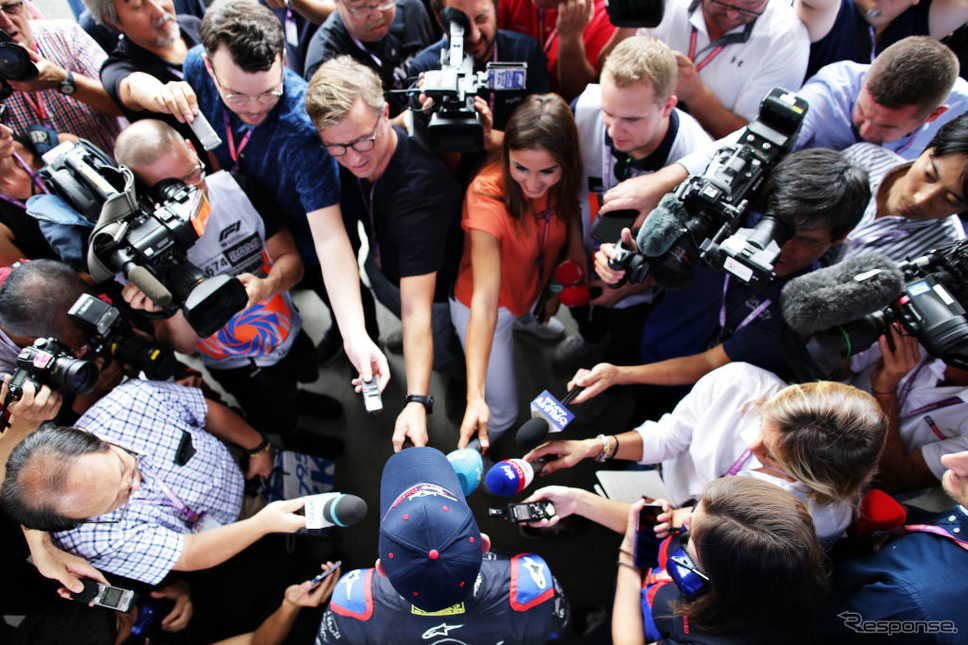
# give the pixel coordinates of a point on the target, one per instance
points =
(430, 544)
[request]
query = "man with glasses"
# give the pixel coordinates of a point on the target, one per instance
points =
(629, 126)
(380, 34)
(243, 237)
(410, 208)
(66, 96)
(730, 55)
(143, 485)
(257, 106)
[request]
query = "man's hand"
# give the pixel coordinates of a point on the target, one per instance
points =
(573, 17)
(368, 360)
(281, 517)
(605, 253)
(260, 465)
(61, 566)
(643, 193)
(689, 86)
(177, 619)
(671, 518)
(595, 381)
(568, 453)
(136, 299)
(176, 98)
(412, 423)
(564, 499)
(34, 407)
(49, 75)
(258, 289)
(897, 362)
(476, 417)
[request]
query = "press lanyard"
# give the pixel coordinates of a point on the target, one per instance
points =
(717, 45)
(739, 463)
(374, 243)
(542, 238)
(936, 530)
(190, 517)
(749, 318)
(33, 182)
(233, 153)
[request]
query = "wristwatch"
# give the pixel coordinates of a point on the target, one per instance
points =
(67, 87)
(426, 401)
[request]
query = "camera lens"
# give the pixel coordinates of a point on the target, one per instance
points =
(15, 63)
(75, 375)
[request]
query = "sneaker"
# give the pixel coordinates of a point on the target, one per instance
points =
(575, 351)
(551, 330)
(318, 405)
(330, 347)
(394, 342)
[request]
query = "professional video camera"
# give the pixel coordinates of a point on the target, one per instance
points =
(702, 219)
(147, 241)
(929, 305)
(15, 64)
(455, 126)
(112, 337)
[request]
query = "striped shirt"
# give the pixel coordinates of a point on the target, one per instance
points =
(65, 44)
(898, 238)
(150, 418)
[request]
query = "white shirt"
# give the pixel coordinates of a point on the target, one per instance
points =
(742, 74)
(917, 400)
(708, 432)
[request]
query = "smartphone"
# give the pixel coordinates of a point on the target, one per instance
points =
(522, 513)
(646, 543)
(318, 580)
(372, 400)
(102, 595)
(608, 226)
(203, 130)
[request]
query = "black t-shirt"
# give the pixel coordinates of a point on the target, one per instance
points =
(416, 209)
(129, 57)
(410, 32)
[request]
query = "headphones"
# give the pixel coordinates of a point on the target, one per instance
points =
(683, 570)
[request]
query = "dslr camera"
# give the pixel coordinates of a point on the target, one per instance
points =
(147, 239)
(931, 308)
(111, 336)
(15, 65)
(710, 208)
(50, 362)
(455, 126)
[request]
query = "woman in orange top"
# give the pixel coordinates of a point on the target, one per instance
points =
(521, 216)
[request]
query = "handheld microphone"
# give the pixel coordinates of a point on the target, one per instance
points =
(509, 477)
(662, 227)
(333, 509)
(841, 293)
(469, 467)
(552, 412)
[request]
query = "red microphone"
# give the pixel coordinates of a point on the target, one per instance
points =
(879, 513)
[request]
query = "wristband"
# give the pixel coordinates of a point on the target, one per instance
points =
(263, 446)
(426, 401)
(614, 452)
(603, 454)
(634, 568)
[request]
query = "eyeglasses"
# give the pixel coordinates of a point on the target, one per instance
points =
(127, 494)
(360, 145)
(365, 10)
(235, 98)
(12, 8)
(195, 176)
(746, 13)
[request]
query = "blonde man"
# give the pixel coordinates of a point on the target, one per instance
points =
(410, 208)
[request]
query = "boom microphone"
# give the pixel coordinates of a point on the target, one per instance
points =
(841, 293)
(662, 226)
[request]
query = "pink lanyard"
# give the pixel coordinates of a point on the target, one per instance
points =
(692, 52)
(233, 153)
(753, 315)
(936, 530)
(739, 463)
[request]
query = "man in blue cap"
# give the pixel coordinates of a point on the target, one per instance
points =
(436, 575)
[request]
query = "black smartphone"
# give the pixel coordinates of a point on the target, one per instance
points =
(608, 226)
(102, 595)
(318, 580)
(523, 513)
(646, 543)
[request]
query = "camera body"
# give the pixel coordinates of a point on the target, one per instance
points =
(112, 337)
(146, 240)
(15, 64)
(931, 308)
(455, 126)
(716, 203)
(49, 362)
